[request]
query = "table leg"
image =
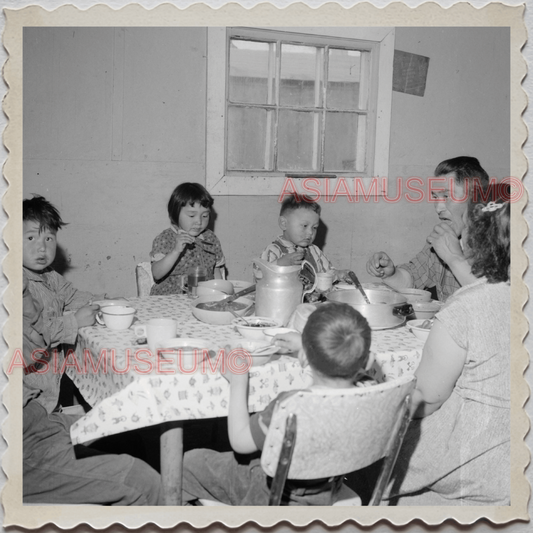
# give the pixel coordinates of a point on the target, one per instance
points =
(171, 443)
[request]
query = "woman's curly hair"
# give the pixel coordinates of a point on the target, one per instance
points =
(488, 236)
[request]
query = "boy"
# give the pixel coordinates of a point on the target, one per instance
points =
(336, 346)
(55, 471)
(65, 309)
(299, 220)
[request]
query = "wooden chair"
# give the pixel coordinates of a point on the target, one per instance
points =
(327, 433)
(144, 279)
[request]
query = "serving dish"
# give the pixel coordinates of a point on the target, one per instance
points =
(386, 309)
(219, 317)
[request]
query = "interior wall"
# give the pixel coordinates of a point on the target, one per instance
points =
(114, 119)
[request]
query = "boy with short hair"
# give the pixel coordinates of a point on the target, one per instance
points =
(65, 309)
(336, 345)
(299, 218)
(55, 471)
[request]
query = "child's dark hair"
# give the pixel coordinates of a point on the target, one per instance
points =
(293, 202)
(42, 211)
(488, 235)
(187, 194)
(465, 168)
(336, 340)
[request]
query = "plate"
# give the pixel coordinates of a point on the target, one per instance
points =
(380, 328)
(272, 332)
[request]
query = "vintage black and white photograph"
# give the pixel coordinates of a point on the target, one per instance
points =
(268, 264)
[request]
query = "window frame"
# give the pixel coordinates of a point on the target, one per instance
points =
(239, 183)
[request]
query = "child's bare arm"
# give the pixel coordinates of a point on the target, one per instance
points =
(163, 266)
(240, 435)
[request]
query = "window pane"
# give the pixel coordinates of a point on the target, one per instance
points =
(251, 72)
(249, 138)
(301, 75)
(341, 141)
(297, 140)
(344, 79)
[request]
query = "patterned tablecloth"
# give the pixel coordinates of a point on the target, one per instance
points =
(109, 366)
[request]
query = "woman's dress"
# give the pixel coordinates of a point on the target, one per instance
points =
(460, 454)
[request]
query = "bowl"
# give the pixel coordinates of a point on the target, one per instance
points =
(250, 347)
(219, 318)
(220, 285)
(253, 327)
(415, 295)
(116, 317)
(426, 310)
(415, 326)
(186, 353)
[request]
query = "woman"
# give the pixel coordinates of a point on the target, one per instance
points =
(457, 450)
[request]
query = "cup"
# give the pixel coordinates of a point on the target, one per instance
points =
(116, 317)
(324, 280)
(156, 331)
(194, 276)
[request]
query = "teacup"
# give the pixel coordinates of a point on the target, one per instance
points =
(116, 316)
(156, 331)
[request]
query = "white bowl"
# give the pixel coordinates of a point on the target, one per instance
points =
(251, 346)
(218, 317)
(415, 295)
(253, 327)
(418, 331)
(116, 317)
(426, 310)
(220, 285)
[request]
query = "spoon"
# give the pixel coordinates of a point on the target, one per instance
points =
(357, 283)
(239, 317)
(263, 349)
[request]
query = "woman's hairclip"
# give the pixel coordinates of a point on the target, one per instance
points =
(492, 206)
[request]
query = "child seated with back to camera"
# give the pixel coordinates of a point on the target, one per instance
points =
(299, 218)
(187, 243)
(335, 343)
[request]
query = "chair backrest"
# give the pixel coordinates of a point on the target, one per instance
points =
(144, 279)
(338, 431)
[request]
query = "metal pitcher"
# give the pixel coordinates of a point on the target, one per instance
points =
(279, 290)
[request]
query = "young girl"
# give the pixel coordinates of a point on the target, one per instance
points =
(188, 242)
(336, 346)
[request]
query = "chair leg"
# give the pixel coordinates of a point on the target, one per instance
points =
(390, 458)
(337, 484)
(285, 457)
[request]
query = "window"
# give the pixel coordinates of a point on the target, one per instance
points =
(298, 103)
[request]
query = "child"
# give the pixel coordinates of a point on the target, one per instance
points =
(299, 219)
(54, 471)
(335, 345)
(188, 242)
(65, 309)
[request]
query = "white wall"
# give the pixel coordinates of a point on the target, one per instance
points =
(114, 119)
